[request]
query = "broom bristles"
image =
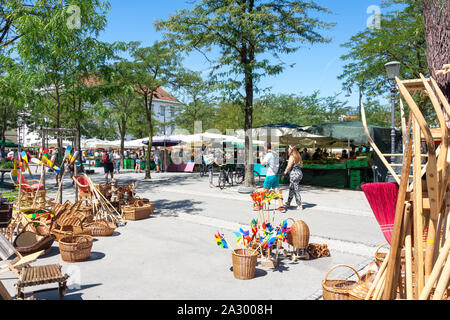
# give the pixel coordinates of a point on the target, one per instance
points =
(382, 198)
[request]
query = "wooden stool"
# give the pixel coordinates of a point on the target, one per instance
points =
(35, 276)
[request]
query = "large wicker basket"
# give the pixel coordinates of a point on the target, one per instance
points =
(299, 235)
(75, 248)
(338, 289)
(138, 213)
(244, 264)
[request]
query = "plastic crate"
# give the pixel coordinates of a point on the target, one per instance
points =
(358, 163)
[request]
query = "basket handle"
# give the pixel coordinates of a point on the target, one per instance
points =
(80, 241)
(383, 245)
(342, 265)
(37, 221)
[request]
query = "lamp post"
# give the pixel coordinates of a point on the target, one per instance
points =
(393, 71)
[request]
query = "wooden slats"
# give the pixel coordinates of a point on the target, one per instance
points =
(41, 275)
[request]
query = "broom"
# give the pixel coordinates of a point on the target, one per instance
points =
(382, 198)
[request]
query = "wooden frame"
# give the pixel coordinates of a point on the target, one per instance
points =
(422, 205)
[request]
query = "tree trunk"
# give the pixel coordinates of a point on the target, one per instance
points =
(148, 109)
(437, 20)
(123, 131)
(3, 137)
(248, 126)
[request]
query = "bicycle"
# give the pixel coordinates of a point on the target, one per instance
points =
(225, 176)
(239, 175)
(203, 170)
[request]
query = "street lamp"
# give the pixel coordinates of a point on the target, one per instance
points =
(393, 71)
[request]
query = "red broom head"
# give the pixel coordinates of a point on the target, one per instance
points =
(382, 198)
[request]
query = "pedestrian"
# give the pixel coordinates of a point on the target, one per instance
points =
(294, 169)
(10, 155)
(271, 182)
(108, 164)
(157, 160)
(118, 161)
(137, 168)
(208, 159)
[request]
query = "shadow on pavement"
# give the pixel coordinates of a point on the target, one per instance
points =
(167, 208)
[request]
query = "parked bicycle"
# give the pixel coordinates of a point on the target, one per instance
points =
(225, 176)
(239, 174)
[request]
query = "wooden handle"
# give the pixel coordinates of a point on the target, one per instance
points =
(378, 249)
(339, 266)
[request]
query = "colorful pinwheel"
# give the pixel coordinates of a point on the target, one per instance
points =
(242, 238)
(220, 240)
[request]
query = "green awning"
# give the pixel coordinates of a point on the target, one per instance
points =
(9, 144)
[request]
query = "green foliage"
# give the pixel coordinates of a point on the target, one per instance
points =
(401, 38)
(7, 165)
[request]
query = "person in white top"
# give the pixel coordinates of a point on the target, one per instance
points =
(272, 162)
(118, 161)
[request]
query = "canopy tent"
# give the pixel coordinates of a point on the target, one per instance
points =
(97, 144)
(289, 134)
(163, 141)
(9, 144)
(354, 132)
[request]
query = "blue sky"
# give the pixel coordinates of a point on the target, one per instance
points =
(316, 67)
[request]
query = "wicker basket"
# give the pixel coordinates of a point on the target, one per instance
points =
(299, 235)
(6, 211)
(75, 248)
(28, 242)
(133, 213)
(101, 228)
(338, 289)
(244, 264)
(64, 231)
(362, 288)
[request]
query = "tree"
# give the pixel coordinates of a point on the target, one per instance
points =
(197, 106)
(121, 100)
(244, 31)
(401, 38)
(11, 97)
(54, 50)
(437, 21)
(153, 67)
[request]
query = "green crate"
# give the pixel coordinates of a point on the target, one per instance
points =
(358, 163)
(336, 166)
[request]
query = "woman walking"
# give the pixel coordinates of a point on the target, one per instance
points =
(294, 167)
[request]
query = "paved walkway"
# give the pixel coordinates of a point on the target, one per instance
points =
(173, 255)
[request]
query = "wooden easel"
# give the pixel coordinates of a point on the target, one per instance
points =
(422, 205)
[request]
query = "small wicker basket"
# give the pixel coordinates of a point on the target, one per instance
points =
(337, 289)
(244, 264)
(75, 248)
(362, 288)
(299, 235)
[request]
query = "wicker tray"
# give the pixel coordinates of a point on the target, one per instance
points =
(28, 242)
(133, 213)
(100, 228)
